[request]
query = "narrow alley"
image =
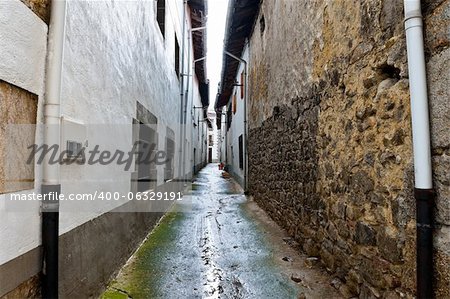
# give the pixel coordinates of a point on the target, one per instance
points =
(171, 149)
(219, 244)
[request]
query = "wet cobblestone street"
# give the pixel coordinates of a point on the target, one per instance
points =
(218, 244)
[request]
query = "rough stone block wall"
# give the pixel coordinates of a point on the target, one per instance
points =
(40, 7)
(330, 153)
(437, 42)
(17, 107)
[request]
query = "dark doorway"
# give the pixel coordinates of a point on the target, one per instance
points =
(145, 138)
(210, 155)
(195, 162)
(146, 162)
(170, 152)
(241, 152)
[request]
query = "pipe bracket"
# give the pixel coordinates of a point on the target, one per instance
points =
(413, 14)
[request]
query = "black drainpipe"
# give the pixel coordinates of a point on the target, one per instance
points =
(424, 244)
(50, 232)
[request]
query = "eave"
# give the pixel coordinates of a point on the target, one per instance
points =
(241, 18)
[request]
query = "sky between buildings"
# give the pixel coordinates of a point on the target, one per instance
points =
(217, 13)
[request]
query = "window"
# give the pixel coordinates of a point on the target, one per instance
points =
(262, 24)
(177, 57)
(242, 85)
(234, 107)
(147, 138)
(161, 15)
(241, 152)
(170, 152)
(195, 160)
(229, 117)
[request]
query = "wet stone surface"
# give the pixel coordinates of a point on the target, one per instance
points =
(219, 244)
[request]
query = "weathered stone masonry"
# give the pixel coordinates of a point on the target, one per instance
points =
(40, 7)
(330, 154)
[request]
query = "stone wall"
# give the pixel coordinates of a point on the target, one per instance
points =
(40, 7)
(437, 41)
(17, 107)
(330, 145)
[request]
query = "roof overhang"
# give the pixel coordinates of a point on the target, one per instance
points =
(241, 18)
(199, 12)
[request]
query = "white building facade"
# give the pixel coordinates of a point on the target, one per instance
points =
(233, 125)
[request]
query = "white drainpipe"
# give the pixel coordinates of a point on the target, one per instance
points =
(421, 146)
(185, 104)
(245, 137)
(418, 91)
(52, 114)
(191, 77)
(182, 107)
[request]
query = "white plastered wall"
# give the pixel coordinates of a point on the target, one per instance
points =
(23, 44)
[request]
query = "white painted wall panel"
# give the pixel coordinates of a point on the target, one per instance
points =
(23, 43)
